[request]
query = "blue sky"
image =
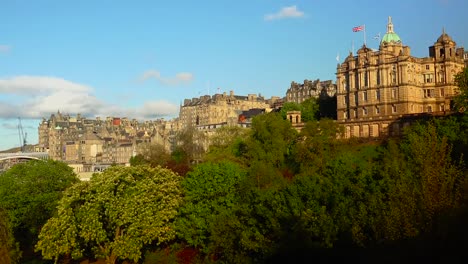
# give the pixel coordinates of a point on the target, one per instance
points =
(141, 59)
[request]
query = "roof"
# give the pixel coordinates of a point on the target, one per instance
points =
(444, 37)
(252, 112)
(390, 36)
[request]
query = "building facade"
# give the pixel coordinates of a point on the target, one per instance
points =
(78, 140)
(377, 88)
(218, 109)
(300, 92)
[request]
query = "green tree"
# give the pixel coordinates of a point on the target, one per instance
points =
(402, 218)
(249, 233)
(137, 160)
(289, 106)
(309, 110)
(461, 100)
(152, 154)
(29, 194)
(225, 136)
(440, 180)
(9, 248)
(114, 215)
(271, 139)
(268, 148)
(224, 143)
(190, 145)
(211, 189)
(318, 143)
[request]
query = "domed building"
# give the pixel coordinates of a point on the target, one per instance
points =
(390, 38)
(381, 91)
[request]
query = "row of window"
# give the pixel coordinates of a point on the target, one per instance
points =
(365, 111)
(394, 110)
(427, 78)
(426, 93)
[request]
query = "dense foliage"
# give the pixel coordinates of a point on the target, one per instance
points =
(270, 194)
(29, 194)
(211, 191)
(461, 101)
(114, 215)
(9, 249)
(306, 193)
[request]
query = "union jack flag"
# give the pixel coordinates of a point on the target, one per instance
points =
(358, 28)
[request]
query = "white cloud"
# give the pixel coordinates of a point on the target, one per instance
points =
(40, 96)
(150, 74)
(285, 12)
(37, 85)
(4, 48)
(180, 78)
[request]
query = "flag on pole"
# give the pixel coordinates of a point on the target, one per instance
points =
(338, 57)
(358, 28)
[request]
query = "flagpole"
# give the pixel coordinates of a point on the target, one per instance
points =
(365, 35)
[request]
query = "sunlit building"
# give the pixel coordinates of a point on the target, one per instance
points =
(377, 89)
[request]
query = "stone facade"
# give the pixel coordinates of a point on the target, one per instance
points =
(465, 57)
(78, 140)
(218, 109)
(300, 92)
(376, 88)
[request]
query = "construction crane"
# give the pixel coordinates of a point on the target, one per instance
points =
(22, 135)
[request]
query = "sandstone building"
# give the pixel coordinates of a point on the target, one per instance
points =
(319, 89)
(376, 89)
(219, 109)
(77, 140)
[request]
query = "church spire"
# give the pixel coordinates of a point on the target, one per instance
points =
(390, 25)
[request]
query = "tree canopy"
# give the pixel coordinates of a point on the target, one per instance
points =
(461, 100)
(211, 189)
(29, 194)
(309, 109)
(114, 215)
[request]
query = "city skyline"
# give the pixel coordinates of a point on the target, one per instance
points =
(142, 60)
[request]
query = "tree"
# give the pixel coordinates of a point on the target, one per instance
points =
(224, 143)
(309, 110)
(29, 194)
(439, 179)
(152, 154)
(271, 139)
(289, 106)
(9, 248)
(226, 136)
(318, 143)
(211, 189)
(461, 100)
(190, 145)
(114, 215)
(137, 160)
(268, 148)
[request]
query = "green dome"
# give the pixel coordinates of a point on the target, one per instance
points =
(391, 38)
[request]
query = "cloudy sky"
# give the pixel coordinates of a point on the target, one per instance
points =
(141, 59)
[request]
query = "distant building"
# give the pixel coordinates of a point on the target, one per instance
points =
(77, 140)
(219, 109)
(377, 88)
(298, 93)
(465, 57)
